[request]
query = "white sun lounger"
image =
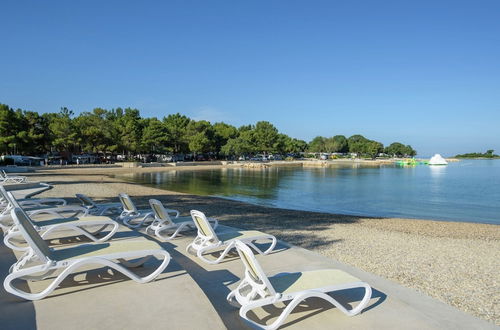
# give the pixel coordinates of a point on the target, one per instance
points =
(81, 226)
(32, 202)
(163, 223)
(257, 290)
(101, 208)
(59, 211)
(5, 178)
(28, 189)
(40, 261)
(207, 240)
(41, 202)
(131, 216)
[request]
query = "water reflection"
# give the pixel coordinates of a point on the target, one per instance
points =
(437, 171)
(224, 182)
(465, 191)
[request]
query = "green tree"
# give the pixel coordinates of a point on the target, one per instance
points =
(362, 146)
(176, 125)
(339, 144)
(399, 150)
(317, 144)
(130, 130)
(410, 151)
(223, 133)
(396, 149)
(356, 143)
(63, 130)
(244, 144)
(200, 136)
(114, 130)
(34, 135)
(239, 146)
(8, 128)
(93, 127)
(373, 148)
(291, 145)
(154, 136)
(265, 136)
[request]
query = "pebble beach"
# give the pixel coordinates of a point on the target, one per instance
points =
(454, 262)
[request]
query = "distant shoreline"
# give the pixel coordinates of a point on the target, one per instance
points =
(478, 158)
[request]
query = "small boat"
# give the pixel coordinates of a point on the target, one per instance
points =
(437, 159)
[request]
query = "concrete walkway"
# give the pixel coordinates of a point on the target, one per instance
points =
(191, 295)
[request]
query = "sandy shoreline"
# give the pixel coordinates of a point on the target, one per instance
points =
(457, 263)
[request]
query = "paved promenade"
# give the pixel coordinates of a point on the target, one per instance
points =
(191, 295)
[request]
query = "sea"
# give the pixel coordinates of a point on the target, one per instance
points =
(467, 191)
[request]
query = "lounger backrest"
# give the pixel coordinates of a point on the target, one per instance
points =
(252, 267)
(3, 194)
(8, 199)
(86, 201)
(203, 226)
(127, 203)
(13, 203)
(159, 210)
(30, 234)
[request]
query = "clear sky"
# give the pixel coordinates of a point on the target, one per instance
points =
(426, 73)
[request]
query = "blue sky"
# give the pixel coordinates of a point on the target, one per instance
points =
(426, 73)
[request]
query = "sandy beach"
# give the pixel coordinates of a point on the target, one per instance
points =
(457, 263)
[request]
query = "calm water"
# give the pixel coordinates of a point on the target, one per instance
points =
(463, 191)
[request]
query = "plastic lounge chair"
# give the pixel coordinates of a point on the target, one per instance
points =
(257, 290)
(131, 216)
(62, 211)
(48, 202)
(40, 261)
(79, 225)
(98, 209)
(163, 223)
(5, 178)
(27, 189)
(207, 240)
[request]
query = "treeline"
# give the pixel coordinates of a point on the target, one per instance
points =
(487, 154)
(124, 131)
(360, 145)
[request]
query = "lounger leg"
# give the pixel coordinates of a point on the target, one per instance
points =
(127, 220)
(269, 249)
(113, 209)
(228, 248)
(15, 236)
(135, 264)
(176, 232)
(197, 244)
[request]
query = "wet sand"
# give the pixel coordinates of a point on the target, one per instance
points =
(457, 263)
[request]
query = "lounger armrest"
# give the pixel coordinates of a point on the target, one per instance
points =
(81, 224)
(177, 213)
(42, 202)
(58, 210)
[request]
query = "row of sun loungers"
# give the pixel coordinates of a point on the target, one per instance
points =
(27, 224)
